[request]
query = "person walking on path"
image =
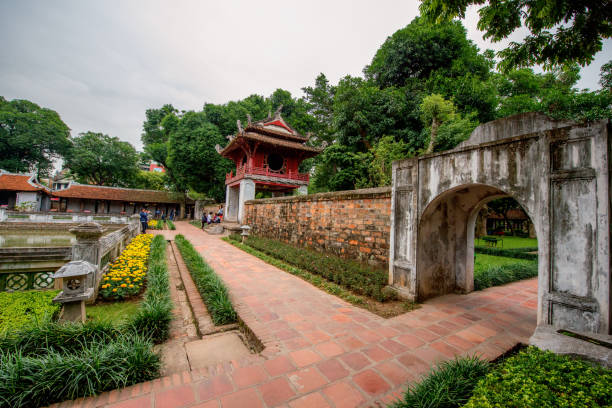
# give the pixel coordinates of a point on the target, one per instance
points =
(143, 220)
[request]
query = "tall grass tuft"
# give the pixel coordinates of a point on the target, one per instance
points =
(211, 287)
(35, 381)
(171, 224)
(448, 385)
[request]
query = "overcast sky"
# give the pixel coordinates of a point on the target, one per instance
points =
(101, 64)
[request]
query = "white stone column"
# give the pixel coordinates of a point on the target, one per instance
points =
(247, 192)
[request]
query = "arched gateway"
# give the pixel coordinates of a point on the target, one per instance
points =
(557, 170)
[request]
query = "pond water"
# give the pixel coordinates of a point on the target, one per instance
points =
(35, 238)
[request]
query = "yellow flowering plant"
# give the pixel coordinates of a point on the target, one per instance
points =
(152, 224)
(126, 275)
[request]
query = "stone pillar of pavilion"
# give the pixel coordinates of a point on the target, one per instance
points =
(267, 154)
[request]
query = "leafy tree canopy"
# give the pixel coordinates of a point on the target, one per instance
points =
(99, 159)
(561, 31)
(150, 180)
(156, 129)
(30, 137)
(192, 158)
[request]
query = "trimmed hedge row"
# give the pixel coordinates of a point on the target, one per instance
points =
(536, 378)
(500, 275)
(211, 287)
(20, 309)
(171, 224)
(519, 253)
(53, 362)
(357, 277)
(155, 313)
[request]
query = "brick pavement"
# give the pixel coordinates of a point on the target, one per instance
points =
(323, 352)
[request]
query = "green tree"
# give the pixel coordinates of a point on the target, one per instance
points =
(606, 76)
(413, 53)
(150, 180)
(99, 159)
(31, 137)
(339, 168)
(320, 99)
(435, 110)
(192, 158)
(384, 153)
(156, 130)
(561, 31)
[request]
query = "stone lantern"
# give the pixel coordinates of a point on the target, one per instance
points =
(245, 232)
(76, 279)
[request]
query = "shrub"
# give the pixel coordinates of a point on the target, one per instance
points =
(499, 275)
(536, 378)
(519, 253)
(357, 277)
(171, 224)
(155, 312)
(126, 274)
(60, 337)
(21, 309)
(448, 385)
(34, 381)
(211, 287)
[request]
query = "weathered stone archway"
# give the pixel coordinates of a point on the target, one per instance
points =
(557, 170)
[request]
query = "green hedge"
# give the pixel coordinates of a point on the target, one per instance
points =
(448, 385)
(519, 253)
(21, 309)
(500, 275)
(155, 312)
(357, 277)
(211, 287)
(171, 224)
(536, 378)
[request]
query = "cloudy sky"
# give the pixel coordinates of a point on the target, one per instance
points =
(101, 64)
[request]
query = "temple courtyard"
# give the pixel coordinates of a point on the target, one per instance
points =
(319, 351)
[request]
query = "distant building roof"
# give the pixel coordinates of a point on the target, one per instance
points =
(20, 182)
(86, 191)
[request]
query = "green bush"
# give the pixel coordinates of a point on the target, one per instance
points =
(171, 224)
(155, 313)
(496, 275)
(535, 378)
(211, 287)
(357, 277)
(59, 337)
(448, 385)
(40, 380)
(519, 253)
(21, 309)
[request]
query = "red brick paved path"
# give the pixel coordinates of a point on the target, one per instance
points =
(323, 352)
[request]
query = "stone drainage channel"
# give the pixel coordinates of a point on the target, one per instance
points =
(195, 342)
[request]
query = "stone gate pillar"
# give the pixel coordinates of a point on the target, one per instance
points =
(247, 192)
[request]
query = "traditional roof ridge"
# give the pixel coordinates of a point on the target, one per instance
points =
(31, 180)
(267, 139)
(117, 188)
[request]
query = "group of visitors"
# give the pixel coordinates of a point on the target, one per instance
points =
(210, 218)
(145, 215)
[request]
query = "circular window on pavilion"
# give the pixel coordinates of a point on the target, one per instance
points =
(275, 162)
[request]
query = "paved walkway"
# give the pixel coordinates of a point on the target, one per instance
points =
(323, 352)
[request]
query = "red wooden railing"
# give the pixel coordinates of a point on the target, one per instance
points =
(264, 171)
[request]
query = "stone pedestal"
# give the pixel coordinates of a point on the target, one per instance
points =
(74, 312)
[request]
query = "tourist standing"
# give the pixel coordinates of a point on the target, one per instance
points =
(143, 220)
(172, 215)
(204, 218)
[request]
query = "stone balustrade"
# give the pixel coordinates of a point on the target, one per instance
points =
(61, 217)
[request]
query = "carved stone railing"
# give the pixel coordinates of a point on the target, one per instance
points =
(61, 217)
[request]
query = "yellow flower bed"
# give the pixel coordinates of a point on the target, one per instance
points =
(152, 223)
(126, 274)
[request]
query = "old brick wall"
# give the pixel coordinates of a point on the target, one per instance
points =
(353, 224)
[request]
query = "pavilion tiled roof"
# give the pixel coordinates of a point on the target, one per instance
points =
(19, 182)
(235, 144)
(90, 192)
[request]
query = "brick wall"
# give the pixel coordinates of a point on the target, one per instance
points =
(353, 224)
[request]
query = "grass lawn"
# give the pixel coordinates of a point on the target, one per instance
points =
(511, 242)
(115, 312)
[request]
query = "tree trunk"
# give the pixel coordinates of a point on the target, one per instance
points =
(434, 133)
